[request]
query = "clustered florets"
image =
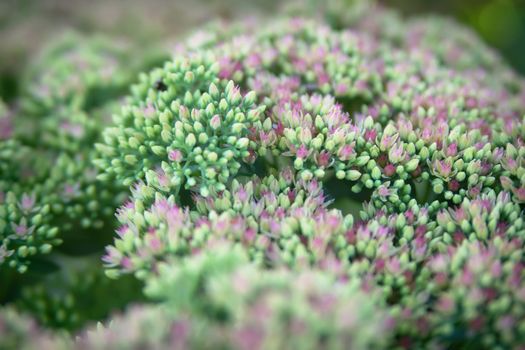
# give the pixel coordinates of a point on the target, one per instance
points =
(48, 186)
(361, 180)
(188, 133)
(262, 297)
(428, 143)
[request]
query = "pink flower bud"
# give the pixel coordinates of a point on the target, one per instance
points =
(215, 122)
(302, 152)
(175, 155)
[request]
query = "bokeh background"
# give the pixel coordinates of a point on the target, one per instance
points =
(26, 24)
(501, 23)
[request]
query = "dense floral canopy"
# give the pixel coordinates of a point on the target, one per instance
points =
(288, 184)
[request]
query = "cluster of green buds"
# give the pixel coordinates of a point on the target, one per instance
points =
(276, 219)
(474, 295)
(49, 187)
(513, 171)
(46, 198)
(71, 88)
(190, 131)
(26, 227)
(483, 218)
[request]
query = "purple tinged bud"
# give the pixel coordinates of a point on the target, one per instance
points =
(443, 167)
(394, 265)
(179, 334)
(149, 111)
(454, 185)
(22, 229)
(382, 231)
(446, 304)
(71, 191)
(383, 191)
(183, 112)
(506, 323)
(467, 277)
(4, 253)
(323, 159)
(27, 202)
(154, 242)
(509, 164)
(6, 128)
(275, 227)
(404, 127)
(452, 150)
(443, 218)
(389, 170)
(396, 153)
(250, 234)
(253, 60)
(75, 130)
(121, 231)
(519, 193)
(175, 156)
(387, 141)
(345, 152)
(498, 154)
(249, 337)
(162, 178)
(288, 175)
(341, 89)
(241, 195)
(496, 269)
(475, 191)
(112, 256)
(460, 214)
(215, 122)
(438, 263)
(126, 263)
(302, 152)
(370, 135)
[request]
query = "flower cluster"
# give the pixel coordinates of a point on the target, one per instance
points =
(429, 148)
(182, 129)
(271, 309)
(26, 227)
(49, 192)
(276, 219)
(473, 296)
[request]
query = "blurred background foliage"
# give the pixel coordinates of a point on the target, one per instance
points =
(501, 23)
(26, 24)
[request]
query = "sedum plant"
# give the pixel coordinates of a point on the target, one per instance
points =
(298, 183)
(416, 146)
